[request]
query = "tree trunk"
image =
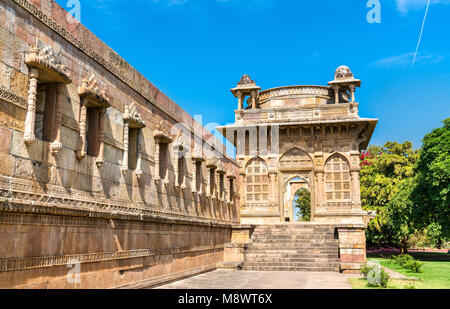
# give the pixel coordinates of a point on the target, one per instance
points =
(439, 242)
(404, 245)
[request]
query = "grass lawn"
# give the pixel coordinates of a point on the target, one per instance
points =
(435, 275)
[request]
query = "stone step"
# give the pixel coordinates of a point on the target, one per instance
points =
(288, 268)
(291, 260)
(294, 241)
(292, 264)
(290, 246)
(287, 235)
(292, 255)
(293, 231)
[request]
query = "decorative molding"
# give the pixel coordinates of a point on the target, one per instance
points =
(20, 196)
(132, 116)
(12, 264)
(13, 98)
(294, 90)
(47, 61)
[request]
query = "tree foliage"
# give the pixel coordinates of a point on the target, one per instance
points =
(409, 189)
(383, 169)
(303, 203)
(432, 193)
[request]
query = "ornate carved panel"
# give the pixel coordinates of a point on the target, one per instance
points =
(295, 159)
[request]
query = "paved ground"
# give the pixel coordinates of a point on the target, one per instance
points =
(229, 279)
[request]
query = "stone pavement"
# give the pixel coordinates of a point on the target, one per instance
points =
(230, 279)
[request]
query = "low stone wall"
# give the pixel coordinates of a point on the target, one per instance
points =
(352, 248)
(110, 252)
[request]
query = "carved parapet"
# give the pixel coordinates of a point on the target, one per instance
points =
(49, 65)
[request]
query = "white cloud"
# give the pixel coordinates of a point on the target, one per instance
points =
(405, 60)
(404, 6)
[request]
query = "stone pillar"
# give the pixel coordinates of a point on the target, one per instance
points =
(101, 134)
(320, 188)
(218, 187)
(254, 96)
(208, 182)
(57, 145)
(356, 188)
(31, 109)
(272, 184)
(157, 177)
(126, 135)
(81, 153)
(240, 100)
(352, 91)
(194, 176)
(139, 155)
(336, 93)
(242, 190)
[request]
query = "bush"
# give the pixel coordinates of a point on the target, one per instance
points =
(375, 275)
(410, 286)
(365, 269)
(415, 266)
(408, 262)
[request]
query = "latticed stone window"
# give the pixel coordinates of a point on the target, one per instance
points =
(337, 179)
(257, 182)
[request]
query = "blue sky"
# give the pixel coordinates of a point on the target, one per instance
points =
(196, 50)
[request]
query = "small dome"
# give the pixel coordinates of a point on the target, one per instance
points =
(343, 72)
(246, 80)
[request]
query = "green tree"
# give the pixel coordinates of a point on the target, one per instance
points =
(432, 193)
(401, 212)
(382, 171)
(303, 203)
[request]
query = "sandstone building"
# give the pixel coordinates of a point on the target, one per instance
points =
(97, 166)
(101, 170)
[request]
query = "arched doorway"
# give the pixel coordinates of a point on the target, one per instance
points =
(296, 171)
(302, 205)
(295, 188)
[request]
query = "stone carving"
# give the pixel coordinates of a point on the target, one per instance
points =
(246, 80)
(132, 117)
(92, 97)
(296, 159)
(12, 98)
(132, 120)
(91, 92)
(44, 67)
(160, 134)
(344, 84)
(343, 72)
(47, 62)
(246, 87)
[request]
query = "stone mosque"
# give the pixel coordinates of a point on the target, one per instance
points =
(107, 183)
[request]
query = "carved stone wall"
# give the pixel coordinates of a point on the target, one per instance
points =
(115, 218)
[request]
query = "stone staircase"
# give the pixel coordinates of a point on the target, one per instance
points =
(292, 247)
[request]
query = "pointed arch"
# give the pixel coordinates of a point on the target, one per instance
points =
(337, 179)
(295, 158)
